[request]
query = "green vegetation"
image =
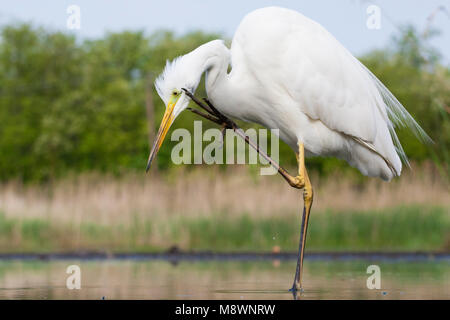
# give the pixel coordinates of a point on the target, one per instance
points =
(410, 228)
(402, 228)
(71, 106)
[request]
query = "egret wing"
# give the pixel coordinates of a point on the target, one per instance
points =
(286, 50)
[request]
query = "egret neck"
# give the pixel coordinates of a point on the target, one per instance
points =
(213, 60)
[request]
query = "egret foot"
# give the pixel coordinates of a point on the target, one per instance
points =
(297, 182)
(296, 293)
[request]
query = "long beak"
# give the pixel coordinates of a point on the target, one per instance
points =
(163, 129)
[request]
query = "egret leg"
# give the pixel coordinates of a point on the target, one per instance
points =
(308, 200)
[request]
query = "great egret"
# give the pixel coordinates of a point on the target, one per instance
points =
(291, 74)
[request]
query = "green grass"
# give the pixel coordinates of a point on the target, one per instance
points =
(401, 228)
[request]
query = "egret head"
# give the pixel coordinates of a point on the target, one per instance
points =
(177, 75)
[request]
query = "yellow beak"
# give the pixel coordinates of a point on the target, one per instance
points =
(163, 129)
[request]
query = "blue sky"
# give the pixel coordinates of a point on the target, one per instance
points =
(345, 19)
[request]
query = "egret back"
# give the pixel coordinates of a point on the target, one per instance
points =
(297, 57)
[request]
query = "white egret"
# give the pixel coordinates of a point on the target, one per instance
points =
(291, 74)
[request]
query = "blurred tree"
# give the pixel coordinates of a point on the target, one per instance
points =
(411, 69)
(36, 68)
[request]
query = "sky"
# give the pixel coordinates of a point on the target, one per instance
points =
(345, 19)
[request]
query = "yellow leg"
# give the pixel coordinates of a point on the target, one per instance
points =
(308, 200)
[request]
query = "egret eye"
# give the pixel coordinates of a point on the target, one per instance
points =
(175, 93)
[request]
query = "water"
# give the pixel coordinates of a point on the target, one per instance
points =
(223, 279)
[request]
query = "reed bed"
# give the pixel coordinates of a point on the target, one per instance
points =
(203, 192)
(207, 208)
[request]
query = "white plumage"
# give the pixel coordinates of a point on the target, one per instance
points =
(289, 73)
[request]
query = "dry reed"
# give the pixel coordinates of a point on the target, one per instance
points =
(207, 192)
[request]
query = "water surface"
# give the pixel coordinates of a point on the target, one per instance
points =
(212, 279)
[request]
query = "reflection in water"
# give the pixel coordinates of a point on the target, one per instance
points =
(130, 279)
